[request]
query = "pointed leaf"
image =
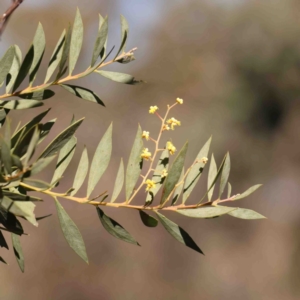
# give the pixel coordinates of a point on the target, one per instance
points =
(61, 139)
(196, 171)
(2, 260)
(65, 54)
(37, 183)
(20, 104)
(124, 33)
(82, 93)
(100, 40)
(71, 232)
(32, 145)
(6, 63)
(5, 156)
(115, 229)
(56, 56)
(119, 182)
(39, 43)
(178, 233)
(100, 160)
(225, 175)
(20, 197)
(3, 243)
(134, 165)
(46, 127)
(229, 190)
(163, 163)
(18, 250)
(119, 77)
(174, 174)
(179, 189)
(41, 164)
(76, 41)
(246, 214)
(64, 158)
(40, 95)
(22, 145)
(14, 70)
(81, 172)
(248, 192)
(206, 212)
(148, 220)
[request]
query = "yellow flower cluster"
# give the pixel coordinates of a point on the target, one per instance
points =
(150, 184)
(173, 122)
(171, 148)
(145, 135)
(146, 154)
(153, 109)
(179, 101)
(164, 173)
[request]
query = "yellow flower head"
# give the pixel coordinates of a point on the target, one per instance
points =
(204, 160)
(145, 135)
(179, 101)
(150, 184)
(153, 109)
(166, 127)
(146, 154)
(173, 122)
(171, 148)
(164, 173)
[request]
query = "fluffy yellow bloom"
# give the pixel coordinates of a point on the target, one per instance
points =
(164, 173)
(173, 122)
(145, 135)
(153, 109)
(171, 148)
(179, 100)
(146, 154)
(150, 184)
(204, 160)
(166, 127)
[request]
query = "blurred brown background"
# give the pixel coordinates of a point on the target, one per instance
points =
(236, 64)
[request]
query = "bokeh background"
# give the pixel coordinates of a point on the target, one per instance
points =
(236, 64)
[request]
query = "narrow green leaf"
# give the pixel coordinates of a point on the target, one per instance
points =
(14, 70)
(179, 189)
(28, 126)
(20, 208)
(206, 212)
(61, 139)
(64, 158)
(3, 115)
(6, 63)
(225, 175)
(18, 251)
(56, 56)
(76, 41)
(10, 222)
(213, 180)
(37, 183)
(196, 171)
(229, 190)
(124, 33)
(162, 164)
(248, 192)
(19, 197)
(148, 220)
(119, 182)
(119, 77)
(71, 232)
(82, 93)
(3, 243)
(100, 160)
(7, 134)
(65, 54)
(81, 172)
(100, 40)
(246, 214)
(32, 145)
(5, 156)
(46, 127)
(39, 43)
(40, 95)
(134, 165)
(174, 174)
(20, 104)
(24, 69)
(22, 144)
(41, 164)
(178, 233)
(115, 229)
